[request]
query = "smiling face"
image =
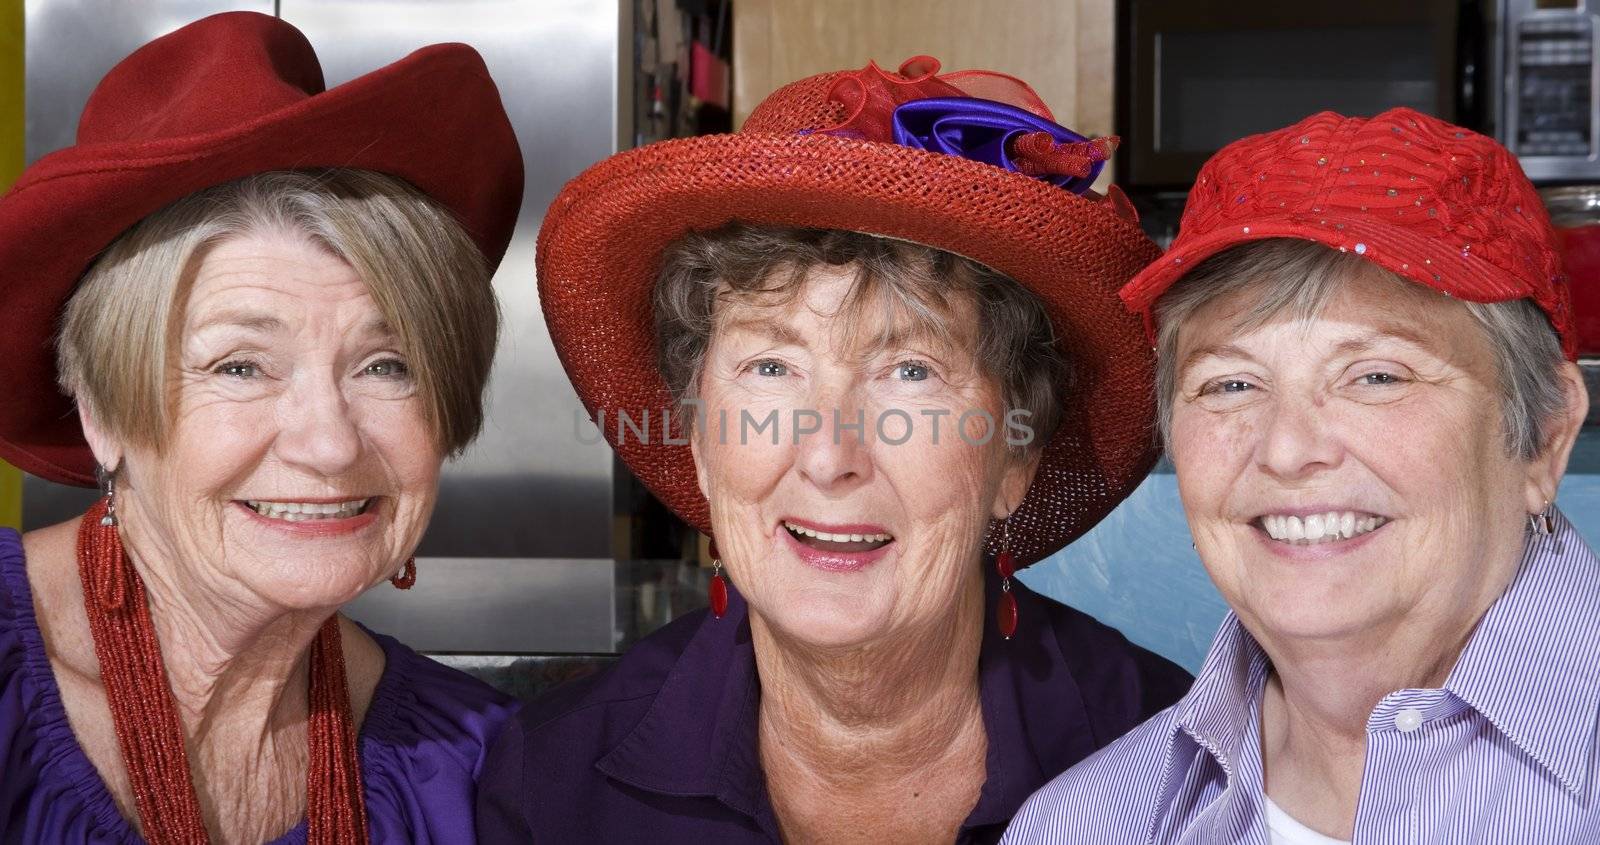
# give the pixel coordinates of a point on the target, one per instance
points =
(842, 540)
(299, 467)
(1347, 475)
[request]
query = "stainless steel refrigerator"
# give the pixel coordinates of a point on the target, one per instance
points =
(518, 556)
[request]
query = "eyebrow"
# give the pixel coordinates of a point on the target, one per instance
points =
(918, 341)
(264, 323)
(1226, 350)
(252, 320)
(894, 339)
(1363, 343)
(772, 329)
(1386, 332)
(377, 325)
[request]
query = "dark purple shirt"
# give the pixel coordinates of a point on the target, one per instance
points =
(422, 743)
(662, 747)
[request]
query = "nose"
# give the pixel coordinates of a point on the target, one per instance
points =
(317, 432)
(836, 456)
(1297, 441)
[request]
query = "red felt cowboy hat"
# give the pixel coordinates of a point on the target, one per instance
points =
(220, 99)
(970, 163)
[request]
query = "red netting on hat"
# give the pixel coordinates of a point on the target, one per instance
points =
(602, 241)
(1037, 152)
(861, 103)
(1431, 202)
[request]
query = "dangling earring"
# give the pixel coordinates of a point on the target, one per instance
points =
(100, 547)
(1005, 611)
(407, 575)
(1542, 524)
(108, 486)
(719, 585)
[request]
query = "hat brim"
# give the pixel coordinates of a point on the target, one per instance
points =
(433, 119)
(603, 238)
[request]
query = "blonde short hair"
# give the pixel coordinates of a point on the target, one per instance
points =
(120, 329)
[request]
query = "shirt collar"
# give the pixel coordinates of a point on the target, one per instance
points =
(1033, 710)
(1529, 667)
(699, 737)
(1215, 711)
(1214, 714)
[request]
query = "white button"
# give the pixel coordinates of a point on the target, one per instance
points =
(1408, 720)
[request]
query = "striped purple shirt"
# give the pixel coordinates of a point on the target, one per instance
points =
(1507, 751)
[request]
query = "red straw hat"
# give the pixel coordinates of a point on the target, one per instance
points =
(1434, 203)
(937, 160)
(220, 99)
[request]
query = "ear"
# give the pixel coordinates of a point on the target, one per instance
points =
(108, 451)
(1544, 472)
(1014, 484)
(695, 433)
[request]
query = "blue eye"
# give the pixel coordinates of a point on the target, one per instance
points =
(912, 371)
(771, 369)
(1227, 385)
(238, 369)
(1379, 379)
(387, 368)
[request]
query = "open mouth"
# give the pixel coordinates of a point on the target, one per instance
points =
(1316, 529)
(310, 511)
(831, 542)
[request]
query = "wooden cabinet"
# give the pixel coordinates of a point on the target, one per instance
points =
(1063, 48)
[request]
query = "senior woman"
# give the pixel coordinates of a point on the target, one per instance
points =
(268, 367)
(1364, 340)
(868, 333)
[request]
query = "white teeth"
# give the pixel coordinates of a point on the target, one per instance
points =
(1319, 527)
(303, 511)
(838, 538)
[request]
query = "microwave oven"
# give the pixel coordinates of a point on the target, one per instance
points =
(1193, 75)
(1551, 97)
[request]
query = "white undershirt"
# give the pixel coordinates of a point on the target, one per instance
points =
(1285, 830)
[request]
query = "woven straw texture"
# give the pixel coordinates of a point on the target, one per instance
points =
(1431, 202)
(602, 241)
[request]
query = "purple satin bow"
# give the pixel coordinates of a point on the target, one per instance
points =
(982, 130)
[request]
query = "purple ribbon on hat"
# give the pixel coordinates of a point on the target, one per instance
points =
(989, 131)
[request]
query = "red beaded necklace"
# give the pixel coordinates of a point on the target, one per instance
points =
(146, 716)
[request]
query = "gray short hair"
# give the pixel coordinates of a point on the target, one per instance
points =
(1300, 277)
(1016, 340)
(426, 275)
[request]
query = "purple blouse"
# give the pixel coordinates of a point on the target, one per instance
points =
(662, 747)
(422, 744)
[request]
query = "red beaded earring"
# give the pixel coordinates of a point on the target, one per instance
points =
(1005, 611)
(407, 576)
(105, 566)
(719, 585)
